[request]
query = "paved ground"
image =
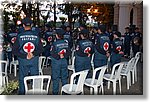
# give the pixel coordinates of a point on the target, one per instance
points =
(135, 89)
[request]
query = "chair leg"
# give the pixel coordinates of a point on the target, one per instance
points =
(135, 72)
(102, 88)
(7, 80)
(108, 85)
(4, 80)
(120, 85)
(91, 90)
(95, 90)
(129, 79)
(114, 87)
(10, 69)
(15, 70)
(133, 77)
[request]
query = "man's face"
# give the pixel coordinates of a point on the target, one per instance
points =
(137, 30)
(68, 28)
(99, 31)
(127, 30)
(81, 28)
(95, 31)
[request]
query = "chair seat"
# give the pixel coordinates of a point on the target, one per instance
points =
(36, 92)
(107, 76)
(15, 62)
(124, 72)
(66, 87)
(88, 82)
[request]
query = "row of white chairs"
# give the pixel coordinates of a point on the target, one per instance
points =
(72, 88)
(124, 69)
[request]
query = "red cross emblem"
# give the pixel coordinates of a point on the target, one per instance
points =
(1, 48)
(49, 38)
(87, 50)
(13, 39)
(106, 46)
(28, 47)
(118, 48)
(62, 52)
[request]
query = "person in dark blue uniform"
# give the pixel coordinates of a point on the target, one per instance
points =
(136, 41)
(11, 37)
(116, 49)
(94, 34)
(48, 36)
(68, 36)
(83, 53)
(127, 40)
(60, 51)
(27, 48)
(102, 46)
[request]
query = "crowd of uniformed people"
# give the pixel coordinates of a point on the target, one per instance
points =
(26, 43)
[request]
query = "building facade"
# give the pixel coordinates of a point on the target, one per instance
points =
(128, 13)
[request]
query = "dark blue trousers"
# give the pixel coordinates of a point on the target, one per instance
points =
(26, 66)
(59, 72)
(99, 61)
(127, 48)
(82, 63)
(114, 59)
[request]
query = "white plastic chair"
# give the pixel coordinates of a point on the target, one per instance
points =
(14, 63)
(37, 85)
(114, 76)
(47, 59)
(134, 68)
(95, 83)
(71, 67)
(41, 64)
(4, 72)
(126, 71)
(73, 88)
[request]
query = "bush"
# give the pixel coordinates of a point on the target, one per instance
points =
(11, 88)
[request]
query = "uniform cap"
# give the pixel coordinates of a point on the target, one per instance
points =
(102, 28)
(84, 31)
(60, 31)
(95, 28)
(127, 28)
(117, 33)
(27, 21)
(83, 25)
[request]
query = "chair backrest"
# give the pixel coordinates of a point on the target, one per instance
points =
(92, 61)
(42, 60)
(101, 74)
(35, 83)
(4, 66)
(72, 55)
(82, 76)
(129, 65)
(137, 57)
(115, 74)
(73, 60)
